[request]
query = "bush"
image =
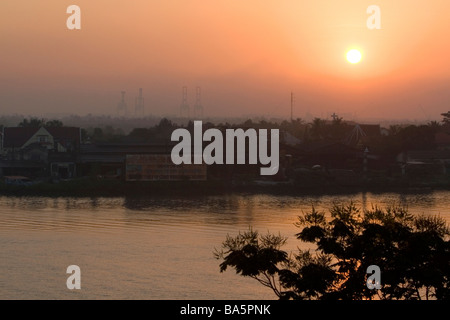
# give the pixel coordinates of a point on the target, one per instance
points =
(412, 252)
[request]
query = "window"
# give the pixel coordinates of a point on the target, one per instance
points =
(42, 138)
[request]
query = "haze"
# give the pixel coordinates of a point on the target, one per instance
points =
(247, 56)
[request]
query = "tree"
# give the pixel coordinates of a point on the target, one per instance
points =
(255, 256)
(412, 252)
(318, 128)
(165, 124)
(33, 122)
(97, 134)
(446, 118)
(140, 134)
(435, 125)
(37, 123)
(54, 123)
(394, 129)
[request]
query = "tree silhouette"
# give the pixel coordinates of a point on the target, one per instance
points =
(446, 119)
(318, 128)
(37, 123)
(412, 252)
(54, 123)
(33, 122)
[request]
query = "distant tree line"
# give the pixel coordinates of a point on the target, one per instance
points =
(36, 122)
(398, 138)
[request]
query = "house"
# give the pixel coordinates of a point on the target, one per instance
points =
(152, 167)
(58, 139)
(109, 159)
(421, 162)
(39, 151)
(361, 134)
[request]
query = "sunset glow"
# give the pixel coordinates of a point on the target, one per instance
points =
(247, 56)
(353, 56)
(241, 150)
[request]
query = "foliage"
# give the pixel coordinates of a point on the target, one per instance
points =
(33, 122)
(410, 137)
(160, 132)
(446, 118)
(54, 123)
(413, 253)
(36, 123)
(254, 256)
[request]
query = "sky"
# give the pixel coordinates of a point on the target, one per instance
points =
(247, 57)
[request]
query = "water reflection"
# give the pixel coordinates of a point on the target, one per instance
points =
(210, 203)
(211, 209)
(139, 241)
(26, 202)
(195, 215)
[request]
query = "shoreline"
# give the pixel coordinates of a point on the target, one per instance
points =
(89, 187)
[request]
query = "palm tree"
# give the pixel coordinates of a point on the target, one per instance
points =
(434, 125)
(317, 128)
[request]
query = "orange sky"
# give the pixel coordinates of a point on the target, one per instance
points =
(246, 55)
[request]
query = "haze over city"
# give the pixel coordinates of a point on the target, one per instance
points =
(247, 56)
(212, 150)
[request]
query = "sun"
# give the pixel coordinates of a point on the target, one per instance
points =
(354, 56)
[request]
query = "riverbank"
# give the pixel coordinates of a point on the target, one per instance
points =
(93, 187)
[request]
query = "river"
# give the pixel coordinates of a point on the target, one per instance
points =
(161, 248)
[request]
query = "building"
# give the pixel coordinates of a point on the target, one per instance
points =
(425, 162)
(135, 162)
(157, 167)
(40, 151)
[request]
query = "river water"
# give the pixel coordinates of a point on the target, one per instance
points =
(153, 248)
